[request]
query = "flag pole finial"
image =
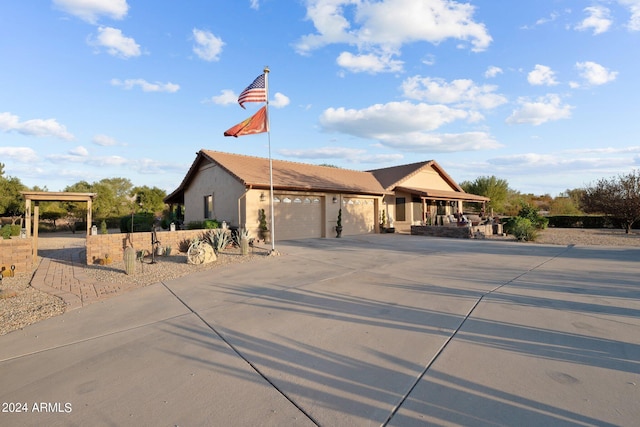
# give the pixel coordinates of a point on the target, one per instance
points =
(266, 69)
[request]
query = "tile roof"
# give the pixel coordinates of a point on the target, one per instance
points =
(254, 172)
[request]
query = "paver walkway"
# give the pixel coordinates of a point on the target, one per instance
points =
(62, 273)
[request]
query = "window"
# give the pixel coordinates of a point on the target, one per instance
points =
(400, 209)
(208, 206)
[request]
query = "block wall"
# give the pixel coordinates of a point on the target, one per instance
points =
(113, 244)
(16, 251)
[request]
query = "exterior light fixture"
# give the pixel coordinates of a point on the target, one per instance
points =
(262, 197)
(335, 199)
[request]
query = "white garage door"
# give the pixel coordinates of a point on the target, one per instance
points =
(297, 217)
(358, 216)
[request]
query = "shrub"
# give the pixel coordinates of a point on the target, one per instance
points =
(210, 224)
(141, 222)
(530, 213)
(195, 225)
(523, 229)
(9, 230)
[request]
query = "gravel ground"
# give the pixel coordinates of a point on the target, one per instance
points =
(22, 305)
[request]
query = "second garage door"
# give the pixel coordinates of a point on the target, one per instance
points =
(297, 217)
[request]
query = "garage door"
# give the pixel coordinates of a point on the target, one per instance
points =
(297, 217)
(358, 216)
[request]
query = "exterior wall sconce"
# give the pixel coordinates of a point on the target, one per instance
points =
(262, 197)
(335, 199)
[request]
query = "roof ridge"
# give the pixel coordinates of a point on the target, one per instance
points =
(285, 161)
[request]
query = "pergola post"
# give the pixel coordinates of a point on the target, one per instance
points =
(45, 196)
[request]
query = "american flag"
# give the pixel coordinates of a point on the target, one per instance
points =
(255, 92)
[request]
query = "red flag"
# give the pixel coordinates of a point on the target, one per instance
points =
(255, 92)
(254, 124)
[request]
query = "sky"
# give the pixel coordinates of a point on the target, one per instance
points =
(540, 93)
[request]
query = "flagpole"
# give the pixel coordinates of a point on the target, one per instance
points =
(273, 233)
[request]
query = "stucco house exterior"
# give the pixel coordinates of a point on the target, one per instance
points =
(234, 188)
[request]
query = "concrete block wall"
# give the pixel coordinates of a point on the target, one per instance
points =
(113, 244)
(18, 252)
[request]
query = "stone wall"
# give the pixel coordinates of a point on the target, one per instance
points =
(441, 231)
(113, 244)
(476, 231)
(16, 251)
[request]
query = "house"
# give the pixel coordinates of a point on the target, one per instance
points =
(307, 198)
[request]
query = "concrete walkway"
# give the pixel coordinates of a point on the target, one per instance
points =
(374, 330)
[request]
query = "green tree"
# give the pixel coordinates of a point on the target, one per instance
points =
(489, 186)
(567, 203)
(11, 201)
(149, 199)
(617, 197)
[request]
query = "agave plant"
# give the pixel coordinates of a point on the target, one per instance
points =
(218, 238)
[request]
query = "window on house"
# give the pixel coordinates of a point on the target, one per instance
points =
(400, 209)
(208, 206)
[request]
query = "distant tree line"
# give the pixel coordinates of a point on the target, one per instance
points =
(617, 198)
(116, 197)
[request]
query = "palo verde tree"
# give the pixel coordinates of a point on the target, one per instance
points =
(617, 197)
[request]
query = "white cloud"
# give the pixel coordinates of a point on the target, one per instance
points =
(599, 20)
(595, 74)
(227, 97)
(492, 71)
(370, 63)
(441, 143)
(382, 27)
(351, 155)
(146, 86)
(406, 126)
(19, 154)
(91, 10)
(544, 109)
(279, 100)
(208, 47)
(254, 4)
(79, 151)
(105, 141)
(380, 120)
(634, 8)
(461, 92)
(35, 127)
(116, 43)
(542, 75)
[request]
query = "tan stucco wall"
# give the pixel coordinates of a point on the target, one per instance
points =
(226, 191)
(428, 178)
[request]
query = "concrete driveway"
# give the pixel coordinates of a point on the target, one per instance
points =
(374, 330)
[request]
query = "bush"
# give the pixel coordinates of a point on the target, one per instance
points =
(530, 213)
(210, 224)
(9, 230)
(195, 225)
(523, 229)
(141, 222)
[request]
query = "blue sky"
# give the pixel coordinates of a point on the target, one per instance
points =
(543, 95)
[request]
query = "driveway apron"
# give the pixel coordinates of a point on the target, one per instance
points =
(367, 330)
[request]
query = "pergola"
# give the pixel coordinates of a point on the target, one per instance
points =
(48, 196)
